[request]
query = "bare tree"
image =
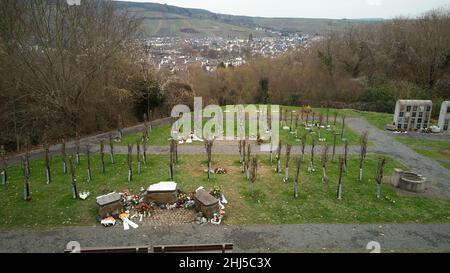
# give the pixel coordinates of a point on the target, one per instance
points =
(47, 163)
(120, 127)
(27, 154)
(334, 145)
(244, 152)
(88, 169)
(4, 165)
(63, 155)
(111, 148)
(311, 165)
(296, 181)
(379, 176)
(343, 126)
(146, 131)
(77, 150)
(63, 63)
(248, 162)
(240, 151)
(278, 170)
(288, 157)
(253, 175)
(319, 127)
(341, 170)
(362, 155)
(171, 161)
(102, 157)
(144, 151)
(138, 148)
(26, 177)
(74, 179)
(130, 163)
(303, 146)
(345, 154)
(324, 164)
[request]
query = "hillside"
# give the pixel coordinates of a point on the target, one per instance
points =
(166, 20)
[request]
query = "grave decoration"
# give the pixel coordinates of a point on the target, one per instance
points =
(125, 206)
(220, 170)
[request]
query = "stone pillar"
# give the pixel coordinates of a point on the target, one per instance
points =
(395, 180)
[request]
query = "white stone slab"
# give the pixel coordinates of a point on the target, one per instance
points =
(163, 187)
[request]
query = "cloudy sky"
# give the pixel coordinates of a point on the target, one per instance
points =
(312, 8)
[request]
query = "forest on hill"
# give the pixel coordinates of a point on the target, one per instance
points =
(167, 20)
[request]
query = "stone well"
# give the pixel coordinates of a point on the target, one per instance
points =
(408, 181)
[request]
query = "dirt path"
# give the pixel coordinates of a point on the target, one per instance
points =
(263, 238)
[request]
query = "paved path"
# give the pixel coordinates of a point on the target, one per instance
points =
(384, 143)
(263, 238)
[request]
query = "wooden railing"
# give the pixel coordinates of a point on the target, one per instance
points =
(212, 248)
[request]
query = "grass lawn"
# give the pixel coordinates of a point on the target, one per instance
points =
(53, 206)
(439, 149)
(379, 120)
(438, 144)
(159, 136)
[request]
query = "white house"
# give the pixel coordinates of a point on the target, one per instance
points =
(444, 117)
(412, 115)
